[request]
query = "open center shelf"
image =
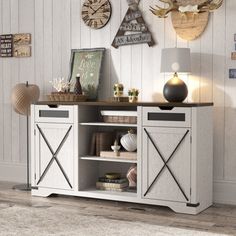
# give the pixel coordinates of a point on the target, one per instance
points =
(107, 124)
(95, 158)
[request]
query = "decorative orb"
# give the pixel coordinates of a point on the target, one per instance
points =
(175, 90)
(22, 96)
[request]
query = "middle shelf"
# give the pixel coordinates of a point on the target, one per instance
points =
(107, 124)
(96, 158)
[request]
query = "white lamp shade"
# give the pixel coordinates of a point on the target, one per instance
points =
(176, 60)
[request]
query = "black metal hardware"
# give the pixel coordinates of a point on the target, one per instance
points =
(166, 163)
(54, 155)
(34, 188)
(166, 108)
(53, 106)
(193, 205)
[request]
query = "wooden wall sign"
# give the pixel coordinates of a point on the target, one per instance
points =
(17, 45)
(133, 29)
(6, 45)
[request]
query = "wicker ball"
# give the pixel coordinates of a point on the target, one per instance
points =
(22, 96)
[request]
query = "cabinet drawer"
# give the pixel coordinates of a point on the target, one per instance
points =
(57, 114)
(176, 117)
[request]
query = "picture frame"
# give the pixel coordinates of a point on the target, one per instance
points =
(233, 56)
(232, 73)
(88, 64)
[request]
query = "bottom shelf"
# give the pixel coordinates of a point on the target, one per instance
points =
(128, 193)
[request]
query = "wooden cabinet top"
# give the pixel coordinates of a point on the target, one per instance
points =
(126, 104)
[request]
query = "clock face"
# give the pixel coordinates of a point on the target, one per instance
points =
(96, 13)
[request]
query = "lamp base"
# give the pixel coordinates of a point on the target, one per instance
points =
(175, 90)
(22, 187)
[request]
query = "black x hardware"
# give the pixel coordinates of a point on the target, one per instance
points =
(166, 164)
(54, 155)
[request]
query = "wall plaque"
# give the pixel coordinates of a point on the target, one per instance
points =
(6, 45)
(133, 29)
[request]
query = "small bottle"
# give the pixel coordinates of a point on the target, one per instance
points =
(78, 87)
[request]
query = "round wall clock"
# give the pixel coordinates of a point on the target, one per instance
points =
(96, 13)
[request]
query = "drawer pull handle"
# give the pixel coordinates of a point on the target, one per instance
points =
(53, 106)
(166, 108)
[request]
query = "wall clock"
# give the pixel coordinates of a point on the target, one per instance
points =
(96, 13)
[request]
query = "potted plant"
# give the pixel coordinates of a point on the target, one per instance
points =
(133, 95)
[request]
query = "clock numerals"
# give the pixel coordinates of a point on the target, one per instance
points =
(86, 5)
(84, 12)
(95, 24)
(105, 16)
(90, 23)
(86, 18)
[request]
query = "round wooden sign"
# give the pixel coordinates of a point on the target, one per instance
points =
(189, 26)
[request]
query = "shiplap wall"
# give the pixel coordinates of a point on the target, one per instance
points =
(56, 27)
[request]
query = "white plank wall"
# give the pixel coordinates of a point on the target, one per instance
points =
(56, 28)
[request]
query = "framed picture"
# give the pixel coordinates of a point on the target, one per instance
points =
(232, 73)
(88, 64)
(22, 39)
(233, 56)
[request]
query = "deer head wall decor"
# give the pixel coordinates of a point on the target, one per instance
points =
(189, 17)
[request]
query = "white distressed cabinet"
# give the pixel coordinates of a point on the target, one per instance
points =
(54, 147)
(174, 153)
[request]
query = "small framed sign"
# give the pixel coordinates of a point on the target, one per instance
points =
(22, 51)
(6, 45)
(232, 73)
(233, 56)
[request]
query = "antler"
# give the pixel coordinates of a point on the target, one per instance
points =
(210, 5)
(163, 12)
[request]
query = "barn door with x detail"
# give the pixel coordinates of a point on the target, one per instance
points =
(166, 164)
(54, 155)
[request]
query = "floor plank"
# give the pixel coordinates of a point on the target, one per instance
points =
(217, 219)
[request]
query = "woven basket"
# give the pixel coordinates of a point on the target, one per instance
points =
(120, 119)
(67, 97)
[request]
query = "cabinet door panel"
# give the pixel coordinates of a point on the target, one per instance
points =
(172, 184)
(58, 174)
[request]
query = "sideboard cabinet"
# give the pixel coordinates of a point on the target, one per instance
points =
(174, 155)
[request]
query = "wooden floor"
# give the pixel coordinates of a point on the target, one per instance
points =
(217, 219)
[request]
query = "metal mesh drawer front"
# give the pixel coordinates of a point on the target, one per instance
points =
(166, 116)
(53, 114)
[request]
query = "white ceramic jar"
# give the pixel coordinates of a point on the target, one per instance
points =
(129, 141)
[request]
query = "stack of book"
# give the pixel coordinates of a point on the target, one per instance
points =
(118, 185)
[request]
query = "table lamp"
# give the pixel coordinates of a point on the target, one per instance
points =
(175, 60)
